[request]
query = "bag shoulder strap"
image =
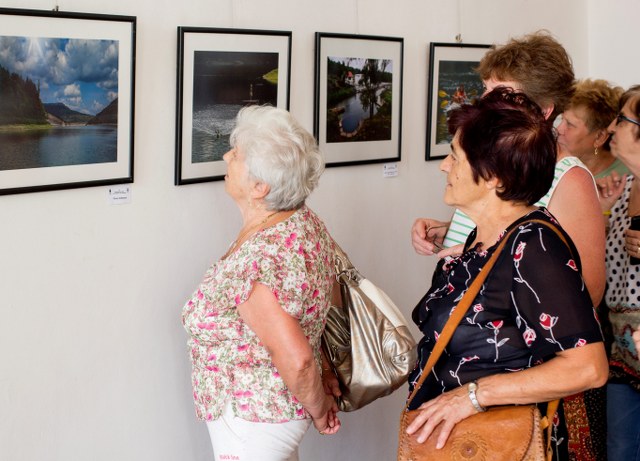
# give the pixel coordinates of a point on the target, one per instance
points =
(462, 307)
(456, 317)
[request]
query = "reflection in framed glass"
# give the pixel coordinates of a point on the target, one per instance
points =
(219, 72)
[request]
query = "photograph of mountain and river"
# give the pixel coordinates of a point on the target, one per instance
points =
(58, 102)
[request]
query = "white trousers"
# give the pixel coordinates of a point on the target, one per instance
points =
(235, 439)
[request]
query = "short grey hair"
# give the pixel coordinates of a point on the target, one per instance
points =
(279, 152)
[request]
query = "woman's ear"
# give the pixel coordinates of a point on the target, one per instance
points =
(547, 111)
(493, 184)
(260, 190)
(601, 138)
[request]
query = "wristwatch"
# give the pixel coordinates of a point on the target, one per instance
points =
(472, 388)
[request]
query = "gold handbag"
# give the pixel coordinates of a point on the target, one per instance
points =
(366, 340)
(505, 433)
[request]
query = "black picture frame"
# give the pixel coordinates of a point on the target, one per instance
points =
(345, 134)
(219, 72)
(450, 66)
(65, 125)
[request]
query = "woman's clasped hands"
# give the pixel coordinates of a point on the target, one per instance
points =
(328, 423)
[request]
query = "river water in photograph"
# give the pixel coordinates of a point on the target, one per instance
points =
(212, 125)
(58, 146)
(354, 113)
(454, 75)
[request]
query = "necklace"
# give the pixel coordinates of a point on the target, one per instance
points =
(244, 234)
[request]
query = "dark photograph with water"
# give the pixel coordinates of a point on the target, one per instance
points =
(223, 83)
(458, 83)
(359, 95)
(58, 102)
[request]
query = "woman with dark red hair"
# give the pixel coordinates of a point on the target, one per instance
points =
(531, 334)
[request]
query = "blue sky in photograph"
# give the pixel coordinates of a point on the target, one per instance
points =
(82, 74)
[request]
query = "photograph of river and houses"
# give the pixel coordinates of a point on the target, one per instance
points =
(359, 97)
(223, 83)
(58, 102)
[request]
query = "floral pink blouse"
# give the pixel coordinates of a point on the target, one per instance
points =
(294, 259)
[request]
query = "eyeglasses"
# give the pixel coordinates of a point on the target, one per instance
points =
(622, 117)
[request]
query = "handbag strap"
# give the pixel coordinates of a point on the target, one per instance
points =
(461, 308)
(456, 317)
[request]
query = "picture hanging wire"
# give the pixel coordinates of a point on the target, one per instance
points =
(459, 18)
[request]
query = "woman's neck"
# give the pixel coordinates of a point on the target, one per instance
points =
(598, 163)
(495, 219)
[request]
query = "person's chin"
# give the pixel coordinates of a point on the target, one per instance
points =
(447, 199)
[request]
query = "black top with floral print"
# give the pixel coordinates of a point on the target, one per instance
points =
(532, 305)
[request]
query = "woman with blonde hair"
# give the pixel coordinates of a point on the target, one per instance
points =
(583, 130)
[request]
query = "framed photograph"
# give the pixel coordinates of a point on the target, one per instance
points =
(452, 81)
(66, 100)
(219, 72)
(358, 98)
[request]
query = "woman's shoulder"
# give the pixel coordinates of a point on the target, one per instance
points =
(294, 235)
(566, 163)
(543, 229)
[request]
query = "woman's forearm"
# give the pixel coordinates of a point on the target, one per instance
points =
(568, 373)
(301, 375)
(288, 346)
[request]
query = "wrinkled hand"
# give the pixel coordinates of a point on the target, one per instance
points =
(610, 188)
(328, 423)
(632, 242)
(449, 409)
(427, 236)
(455, 250)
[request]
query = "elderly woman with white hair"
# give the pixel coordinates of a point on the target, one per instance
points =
(256, 319)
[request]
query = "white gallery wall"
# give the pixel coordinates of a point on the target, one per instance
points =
(93, 358)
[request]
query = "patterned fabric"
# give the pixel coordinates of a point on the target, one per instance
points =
(518, 320)
(294, 259)
(462, 225)
(586, 418)
(623, 295)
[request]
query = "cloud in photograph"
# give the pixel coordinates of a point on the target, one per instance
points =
(82, 74)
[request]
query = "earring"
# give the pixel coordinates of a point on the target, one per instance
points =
(595, 152)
